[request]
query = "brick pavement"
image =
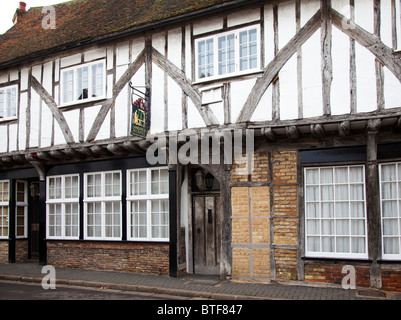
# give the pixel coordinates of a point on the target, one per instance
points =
(189, 285)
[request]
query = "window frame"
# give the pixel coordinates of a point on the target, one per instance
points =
(75, 69)
(5, 108)
(148, 197)
(237, 72)
(382, 218)
(2, 205)
(336, 254)
(63, 201)
(102, 199)
(23, 204)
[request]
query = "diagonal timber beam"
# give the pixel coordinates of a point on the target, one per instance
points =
(179, 77)
(108, 104)
(58, 115)
(276, 65)
(369, 41)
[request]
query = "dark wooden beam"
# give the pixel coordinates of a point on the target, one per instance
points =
(344, 128)
(292, 132)
(317, 130)
(269, 134)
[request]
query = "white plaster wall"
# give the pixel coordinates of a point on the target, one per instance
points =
(340, 102)
(289, 90)
(311, 77)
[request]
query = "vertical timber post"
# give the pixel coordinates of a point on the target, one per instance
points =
(372, 203)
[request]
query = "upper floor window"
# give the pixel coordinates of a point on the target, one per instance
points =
(230, 53)
(83, 82)
(8, 102)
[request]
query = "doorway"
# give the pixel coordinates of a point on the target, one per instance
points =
(33, 220)
(206, 233)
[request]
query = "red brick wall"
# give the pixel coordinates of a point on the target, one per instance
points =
(391, 279)
(332, 273)
(149, 258)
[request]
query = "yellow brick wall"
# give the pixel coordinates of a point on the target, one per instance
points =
(258, 200)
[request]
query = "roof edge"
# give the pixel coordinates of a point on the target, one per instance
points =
(130, 31)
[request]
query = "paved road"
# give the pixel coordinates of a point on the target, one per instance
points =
(18, 291)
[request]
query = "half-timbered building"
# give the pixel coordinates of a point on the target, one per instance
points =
(102, 103)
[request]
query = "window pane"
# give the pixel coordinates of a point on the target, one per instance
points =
(391, 209)
(138, 219)
(68, 86)
(82, 83)
(97, 80)
(340, 202)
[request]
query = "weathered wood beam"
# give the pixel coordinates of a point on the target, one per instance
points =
(100, 150)
(73, 153)
(116, 149)
(57, 154)
(317, 130)
(370, 42)
(19, 159)
(269, 134)
(108, 104)
(186, 85)
(327, 62)
(45, 155)
(276, 65)
(397, 125)
(373, 125)
(344, 128)
(57, 113)
(292, 132)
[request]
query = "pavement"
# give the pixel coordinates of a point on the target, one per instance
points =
(191, 286)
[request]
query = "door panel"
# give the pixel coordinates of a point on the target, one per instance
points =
(207, 234)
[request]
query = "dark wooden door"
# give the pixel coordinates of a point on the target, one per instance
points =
(33, 218)
(207, 234)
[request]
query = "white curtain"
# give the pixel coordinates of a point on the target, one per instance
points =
(391, 204)
(335, 209)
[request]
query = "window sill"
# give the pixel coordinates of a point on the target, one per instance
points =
(82, 102)
(6, 120)
(227, 77)
(335, 259)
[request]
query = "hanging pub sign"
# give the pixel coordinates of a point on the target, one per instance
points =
(140, 123)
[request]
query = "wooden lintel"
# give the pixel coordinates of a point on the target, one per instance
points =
(131, 146)
(86, 151)
(269, 134)
(344, 128)
(292, 132)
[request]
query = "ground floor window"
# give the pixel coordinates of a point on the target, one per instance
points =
(4, 206)
(102, 198)
(148, 204)
(63, 207)
(21, 209)
(335, 212)
(390, 192)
